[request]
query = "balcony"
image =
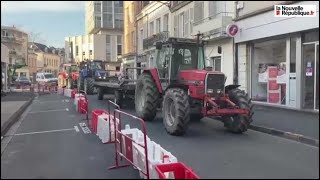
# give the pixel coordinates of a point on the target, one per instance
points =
(149, 42)
(11, 39)
(214, 27)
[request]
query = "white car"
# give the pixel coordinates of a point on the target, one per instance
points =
(45, 78)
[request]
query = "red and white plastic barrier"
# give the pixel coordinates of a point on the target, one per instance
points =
(67, 92)
(177, 170)
(94, 119)
(105, 129)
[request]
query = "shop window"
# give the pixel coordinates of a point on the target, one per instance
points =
(269, 71)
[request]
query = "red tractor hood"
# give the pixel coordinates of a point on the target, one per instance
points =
(195, 75)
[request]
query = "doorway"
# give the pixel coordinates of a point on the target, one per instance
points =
(311, 76)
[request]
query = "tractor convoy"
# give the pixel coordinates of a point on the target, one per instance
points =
(179, 83)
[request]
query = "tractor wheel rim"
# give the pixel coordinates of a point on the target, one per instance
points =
(171, 112)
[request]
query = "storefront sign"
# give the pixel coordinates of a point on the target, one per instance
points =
(232, 30)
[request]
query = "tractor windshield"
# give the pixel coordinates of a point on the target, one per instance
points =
(74, 68)
(187, 57)
(96, 65)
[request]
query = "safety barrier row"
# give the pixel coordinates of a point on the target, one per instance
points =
(132, 144)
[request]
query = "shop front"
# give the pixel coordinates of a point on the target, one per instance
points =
(284, 70)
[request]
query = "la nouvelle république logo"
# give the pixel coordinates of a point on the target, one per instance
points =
(295, 10)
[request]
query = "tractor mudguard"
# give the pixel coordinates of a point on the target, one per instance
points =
(230, 87)
(155, 75)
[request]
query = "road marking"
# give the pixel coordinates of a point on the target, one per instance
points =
(66, 109)
(39, 132)
(76, 128)
(63, 100)
(84, 128)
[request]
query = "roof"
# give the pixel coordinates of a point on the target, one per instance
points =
(43, 48)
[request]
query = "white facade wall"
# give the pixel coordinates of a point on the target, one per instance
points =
(266, 25)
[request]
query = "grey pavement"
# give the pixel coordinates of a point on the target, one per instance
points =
(207, 148)
(304, 123)
(12, 106)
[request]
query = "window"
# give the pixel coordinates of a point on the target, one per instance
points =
(158, 25)
(191, 20)
(119, 39)
(268, 67)
(198, 7)
(133, 37)
(176, 25)
(108, 47)
(216, 7)
(186, 23)
(215, 63)
(77, 50)
(90, 52)
(108, 39)
(117, 68)
(151, 29)
(141, 39)
(97, 21)
(181, 27)
(97, 6)
(166, 22)
(119, 49)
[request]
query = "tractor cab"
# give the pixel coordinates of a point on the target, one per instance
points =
(177, 54)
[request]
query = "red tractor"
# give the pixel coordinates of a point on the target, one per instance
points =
(180, 81)
(68, 76)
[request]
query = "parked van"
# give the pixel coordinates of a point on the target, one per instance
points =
(44, 78)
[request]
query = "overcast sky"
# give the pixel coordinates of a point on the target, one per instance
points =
(53, 20)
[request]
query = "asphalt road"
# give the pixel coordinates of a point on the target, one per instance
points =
(207, 148)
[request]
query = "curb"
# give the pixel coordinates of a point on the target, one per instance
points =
(287, 135)
(15, 117)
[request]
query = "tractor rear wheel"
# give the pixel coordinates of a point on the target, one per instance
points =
(88, 85)
(146, 97)
(238, 123)
(176, 111)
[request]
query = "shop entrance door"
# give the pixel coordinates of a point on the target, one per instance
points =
(311, 76)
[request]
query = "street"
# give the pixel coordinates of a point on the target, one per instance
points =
(49, 143)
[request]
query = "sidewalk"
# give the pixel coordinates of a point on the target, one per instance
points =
(297, 122)
(12, 106)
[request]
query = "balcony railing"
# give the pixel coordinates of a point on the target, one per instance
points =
(149, 42)
(214, 26)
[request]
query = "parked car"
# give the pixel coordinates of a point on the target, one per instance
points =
(22, 81)
(46, 78)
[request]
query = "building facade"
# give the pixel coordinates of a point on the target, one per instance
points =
(17, 42)
(130, 30)
(48, 58)
(278, 57)
(105, 18)
(4, 66)
(93, 46)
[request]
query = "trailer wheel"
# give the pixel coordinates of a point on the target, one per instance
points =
(146, 97)
(100, 93)
(88, 85)
(118, 97)
(238, 123)
(176, 111)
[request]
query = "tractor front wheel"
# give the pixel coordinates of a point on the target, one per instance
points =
(238, 123)
(88, 85)
(146, 97)
(176, 111)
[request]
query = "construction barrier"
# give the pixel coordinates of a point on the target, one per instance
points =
(94, 118)
(61, 91)
(44, 88)
(67, 92)
(179, 171)
(129, 141)
(73, 92)
(105, 129)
